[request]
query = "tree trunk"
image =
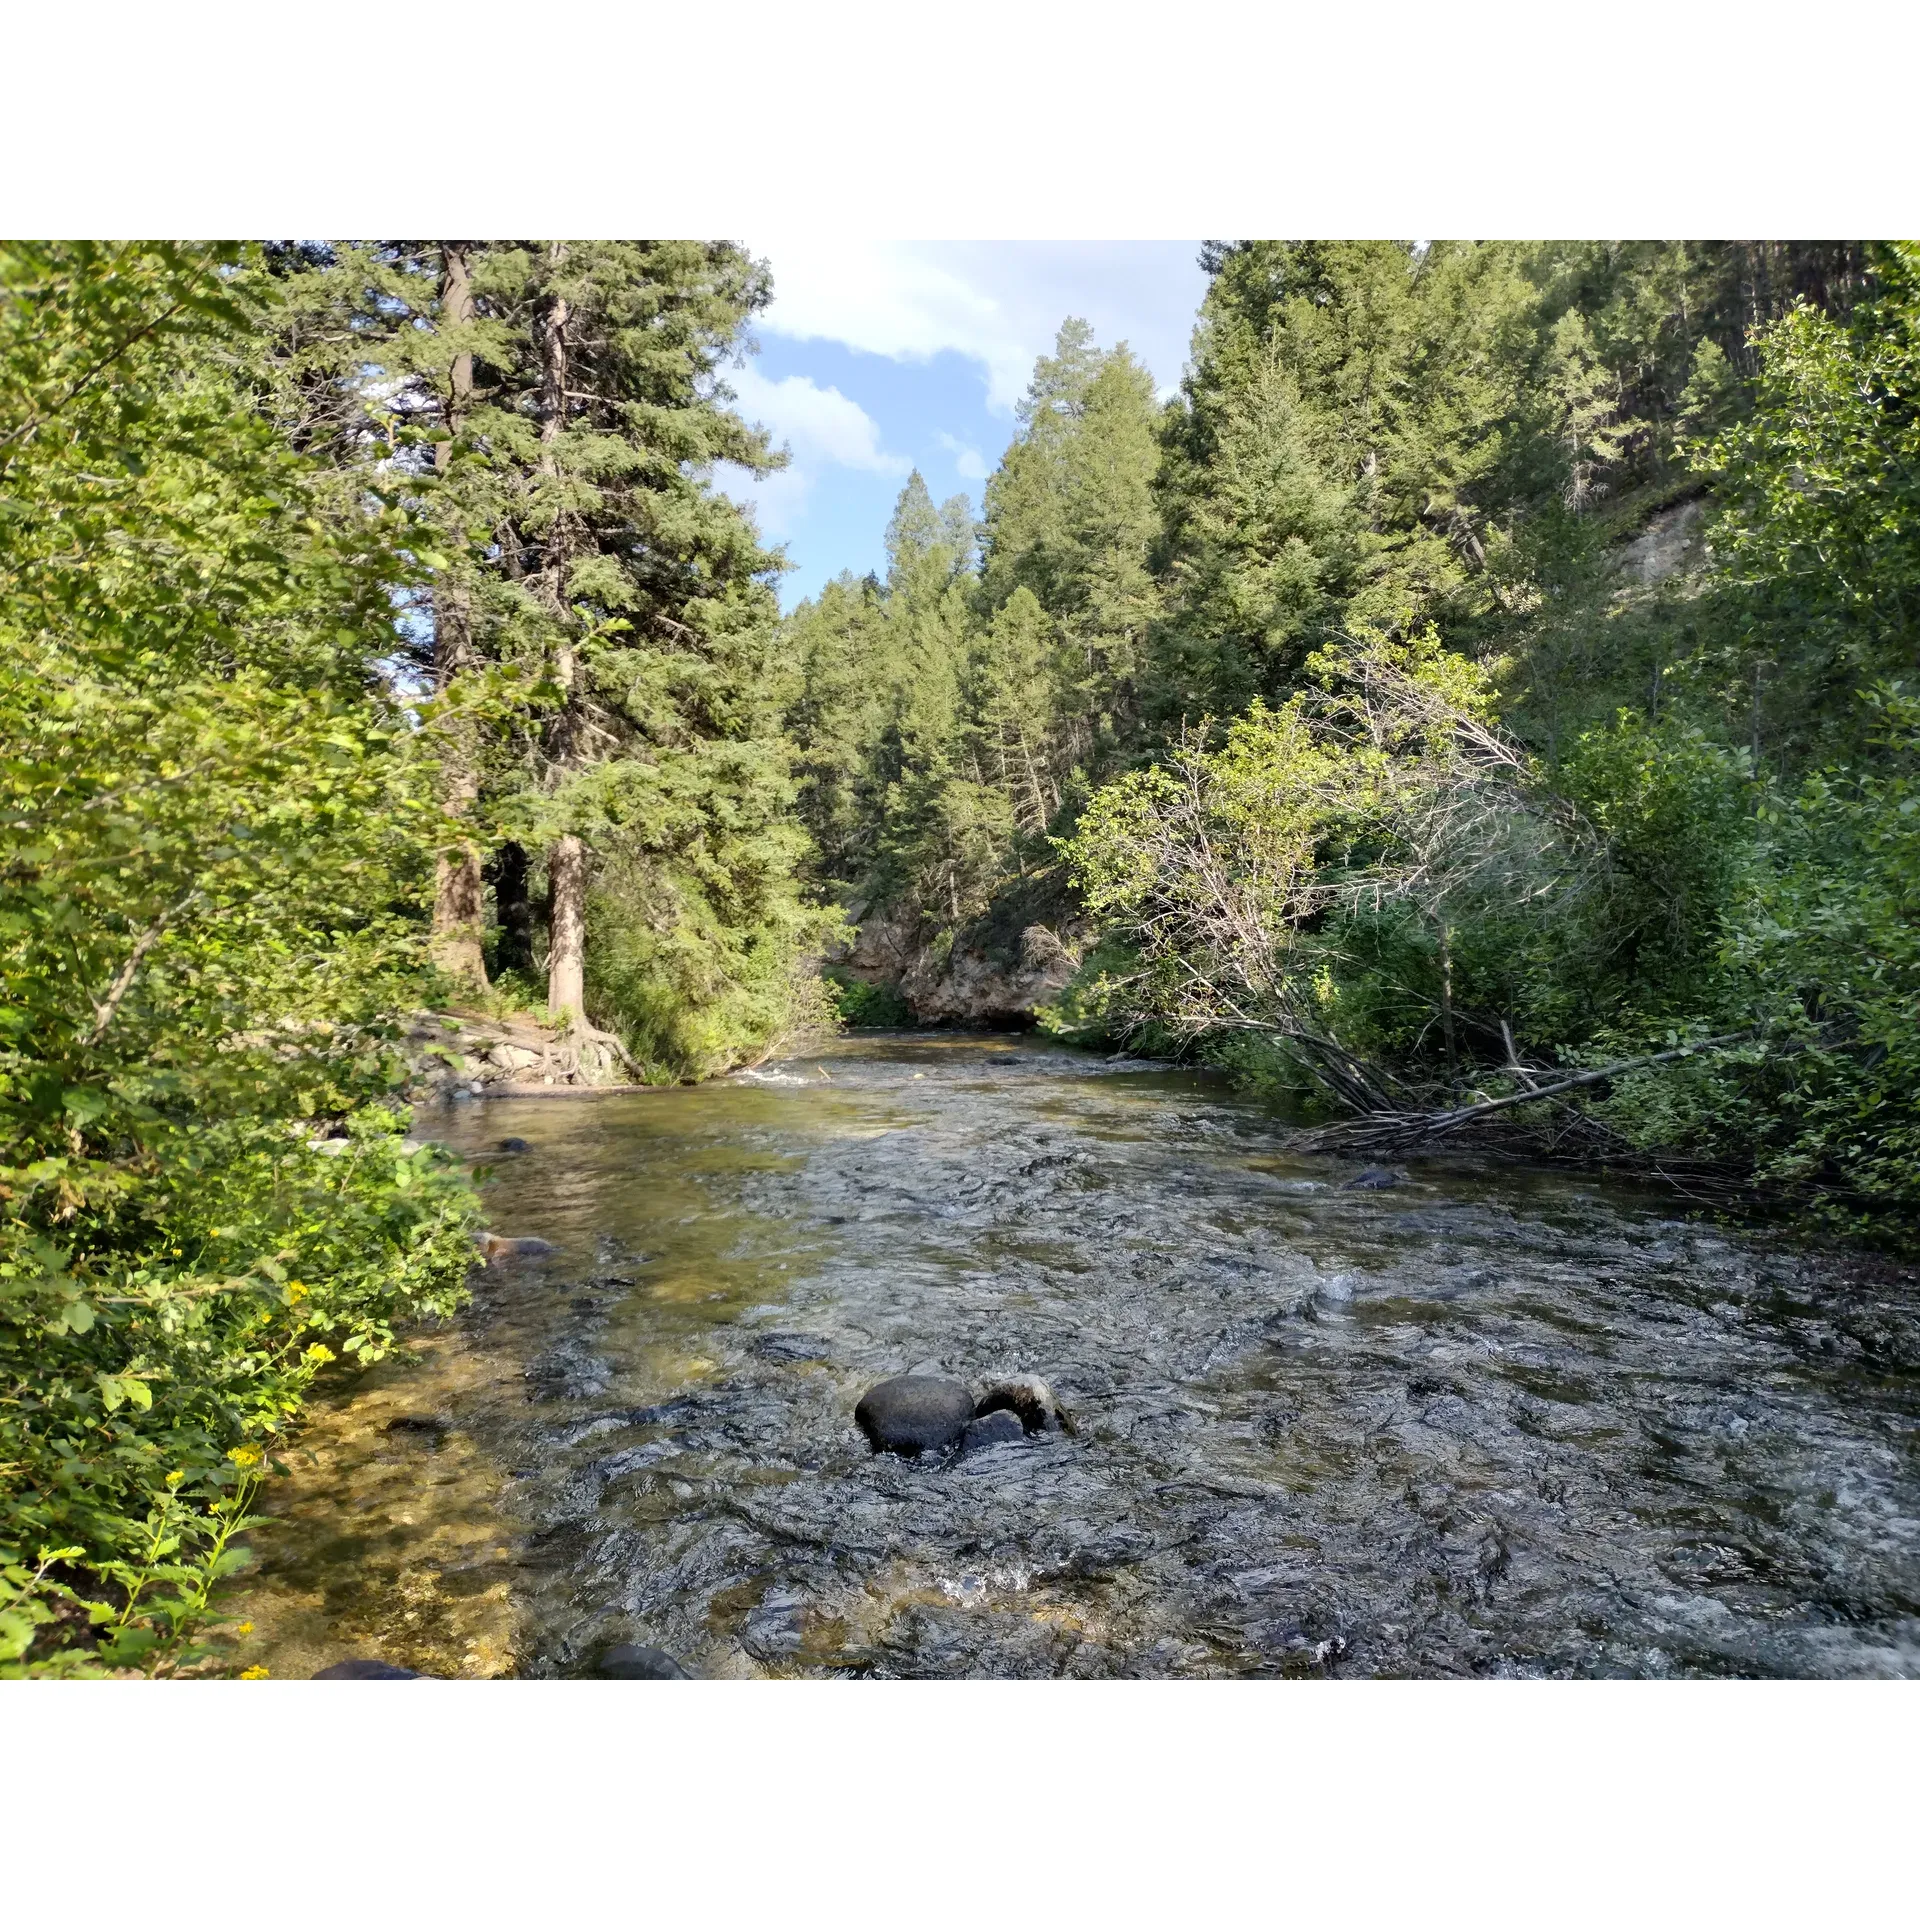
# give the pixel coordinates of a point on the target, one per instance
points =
(567, 928)
(566, 859)
(553, 418)
(459, 898)
(456, 310)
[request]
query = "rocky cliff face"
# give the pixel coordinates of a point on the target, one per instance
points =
(968, 981)
(1669, 543)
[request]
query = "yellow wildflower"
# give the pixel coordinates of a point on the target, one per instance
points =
(244, 1457)
(254, 1673)
(296, 1292)
(245, 1626)
(175, 1477)
(318, 1354)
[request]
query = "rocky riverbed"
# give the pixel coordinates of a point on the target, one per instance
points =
(1476, 1422)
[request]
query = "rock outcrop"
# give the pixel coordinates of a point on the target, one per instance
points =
(1669, 543)
(455, 1055)
(968, 981)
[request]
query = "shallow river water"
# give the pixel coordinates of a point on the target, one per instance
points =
(1481, 1423)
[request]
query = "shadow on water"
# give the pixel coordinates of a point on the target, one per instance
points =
(1481, 1423)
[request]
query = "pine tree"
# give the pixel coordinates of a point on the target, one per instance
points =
(1071, 517)
(1339, 438)
(840, 707)
(562, 404)
(925, 847)
(1009, 693)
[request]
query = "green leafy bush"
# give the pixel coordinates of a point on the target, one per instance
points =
(217, 831)
(867, 1003)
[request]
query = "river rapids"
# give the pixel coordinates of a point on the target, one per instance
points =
(1482, 1423)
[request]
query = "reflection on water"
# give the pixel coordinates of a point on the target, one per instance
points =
(1479, 1424)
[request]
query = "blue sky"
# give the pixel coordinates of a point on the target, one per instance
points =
(880, 356)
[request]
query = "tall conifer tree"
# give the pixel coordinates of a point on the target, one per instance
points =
(563, 405)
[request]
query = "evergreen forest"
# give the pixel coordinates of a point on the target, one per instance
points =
(1481, 705)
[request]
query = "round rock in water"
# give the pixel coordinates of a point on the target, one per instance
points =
(514, 1144)
(497, 1246)
(914, 1413)
(1374, 1178)
(640, 1663)
(365, 1670)
(992, 1431)
(1027, 1397)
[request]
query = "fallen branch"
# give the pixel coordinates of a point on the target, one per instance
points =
(1410, 1129)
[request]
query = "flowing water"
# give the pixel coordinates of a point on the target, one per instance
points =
(1481, 1423)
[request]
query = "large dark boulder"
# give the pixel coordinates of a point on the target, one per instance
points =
(365, 1670)
(640, 1663)
(914, 1413)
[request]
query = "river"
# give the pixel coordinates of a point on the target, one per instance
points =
(1483, 1423)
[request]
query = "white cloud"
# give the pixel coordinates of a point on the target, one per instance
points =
(997, 302)
(968, 462)
(819, 423)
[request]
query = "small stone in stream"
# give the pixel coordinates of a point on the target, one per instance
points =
(914, 1413)
(365, 1670)
(1374, 1178)
(514, 1144)
(990, 1432)
(640, 1663)
(418, 1423)
(1028, 1397)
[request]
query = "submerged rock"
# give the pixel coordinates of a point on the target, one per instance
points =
(628, 1662)
(496, 1246)
(514, 1144)
(1373, 1178)
(776, 1629)
(1028, 1398)
(997, 1427)
(365, 1670)
(791, 1346)
(914, 1413)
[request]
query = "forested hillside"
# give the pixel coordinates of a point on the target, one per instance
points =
(1488, 670)
(1484, 697)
